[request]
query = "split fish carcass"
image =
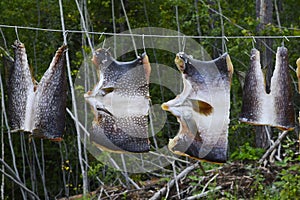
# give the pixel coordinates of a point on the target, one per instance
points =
(275, 108)
(120, 103)
(202, 108)
(37, 108)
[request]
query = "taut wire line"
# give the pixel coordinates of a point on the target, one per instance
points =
(155, 35)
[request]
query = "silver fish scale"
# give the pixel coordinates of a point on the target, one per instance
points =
(19, 85)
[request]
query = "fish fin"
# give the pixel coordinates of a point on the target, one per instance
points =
(202, 107)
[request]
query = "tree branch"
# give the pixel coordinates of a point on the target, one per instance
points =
(19, 184)
(162, 191)
(276, 143)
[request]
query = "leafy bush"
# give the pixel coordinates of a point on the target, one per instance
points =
(246, 152)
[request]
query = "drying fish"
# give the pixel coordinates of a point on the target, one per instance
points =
(298, 73)
(20, 86)
(202, 109)
(120, 102)
(274, 108)
(50, 100)
(39, 109)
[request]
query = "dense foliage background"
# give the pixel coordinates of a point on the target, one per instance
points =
(56, 166)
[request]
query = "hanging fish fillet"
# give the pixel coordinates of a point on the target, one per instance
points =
(202, 109)
(39, 109)
(120, 102)
(50, 100)
(298, 73)
(276, 108)
(20, 86)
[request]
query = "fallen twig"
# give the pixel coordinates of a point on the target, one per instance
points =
(19, 183)
(206, 185)
(276, 143)
(162, 191)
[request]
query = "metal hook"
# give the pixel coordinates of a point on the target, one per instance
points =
(183, 43)
(224, 42)
(103, 44)
(225, 38)
(284, 38)
(143, 40)
(16, 30)
(253, 42)
(66, 34)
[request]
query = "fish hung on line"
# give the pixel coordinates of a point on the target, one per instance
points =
(37, 108)
(298, 73)
(298, 77)
(120, 103)
(202, 108)
(274, 108)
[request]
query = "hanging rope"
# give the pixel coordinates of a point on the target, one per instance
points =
(129, 28)
(84, 26)
(178, 27)
(42, 173)
(2, 154)
(74, 104)
(222, 27)
(23, 156)
(114, 26)
(197, 17)
(9, 135)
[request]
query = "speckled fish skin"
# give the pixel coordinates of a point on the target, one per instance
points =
(276, 108)
(120, 134)
(50, 105)
(125, 77)
(20, 85)
(203, 131)
(281, 89)
(120, 102)
(254, 91)
(298, 73)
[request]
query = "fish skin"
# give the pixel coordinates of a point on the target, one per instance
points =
(253, 91)
(281, 89)
(51, 96)
(120, 103)
(275, 108)
(202, 108)
(19, 86)
(120, 135)
(123, 76)
(298, 73)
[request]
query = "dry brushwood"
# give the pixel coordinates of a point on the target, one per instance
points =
(159, 194)
(270, 150)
